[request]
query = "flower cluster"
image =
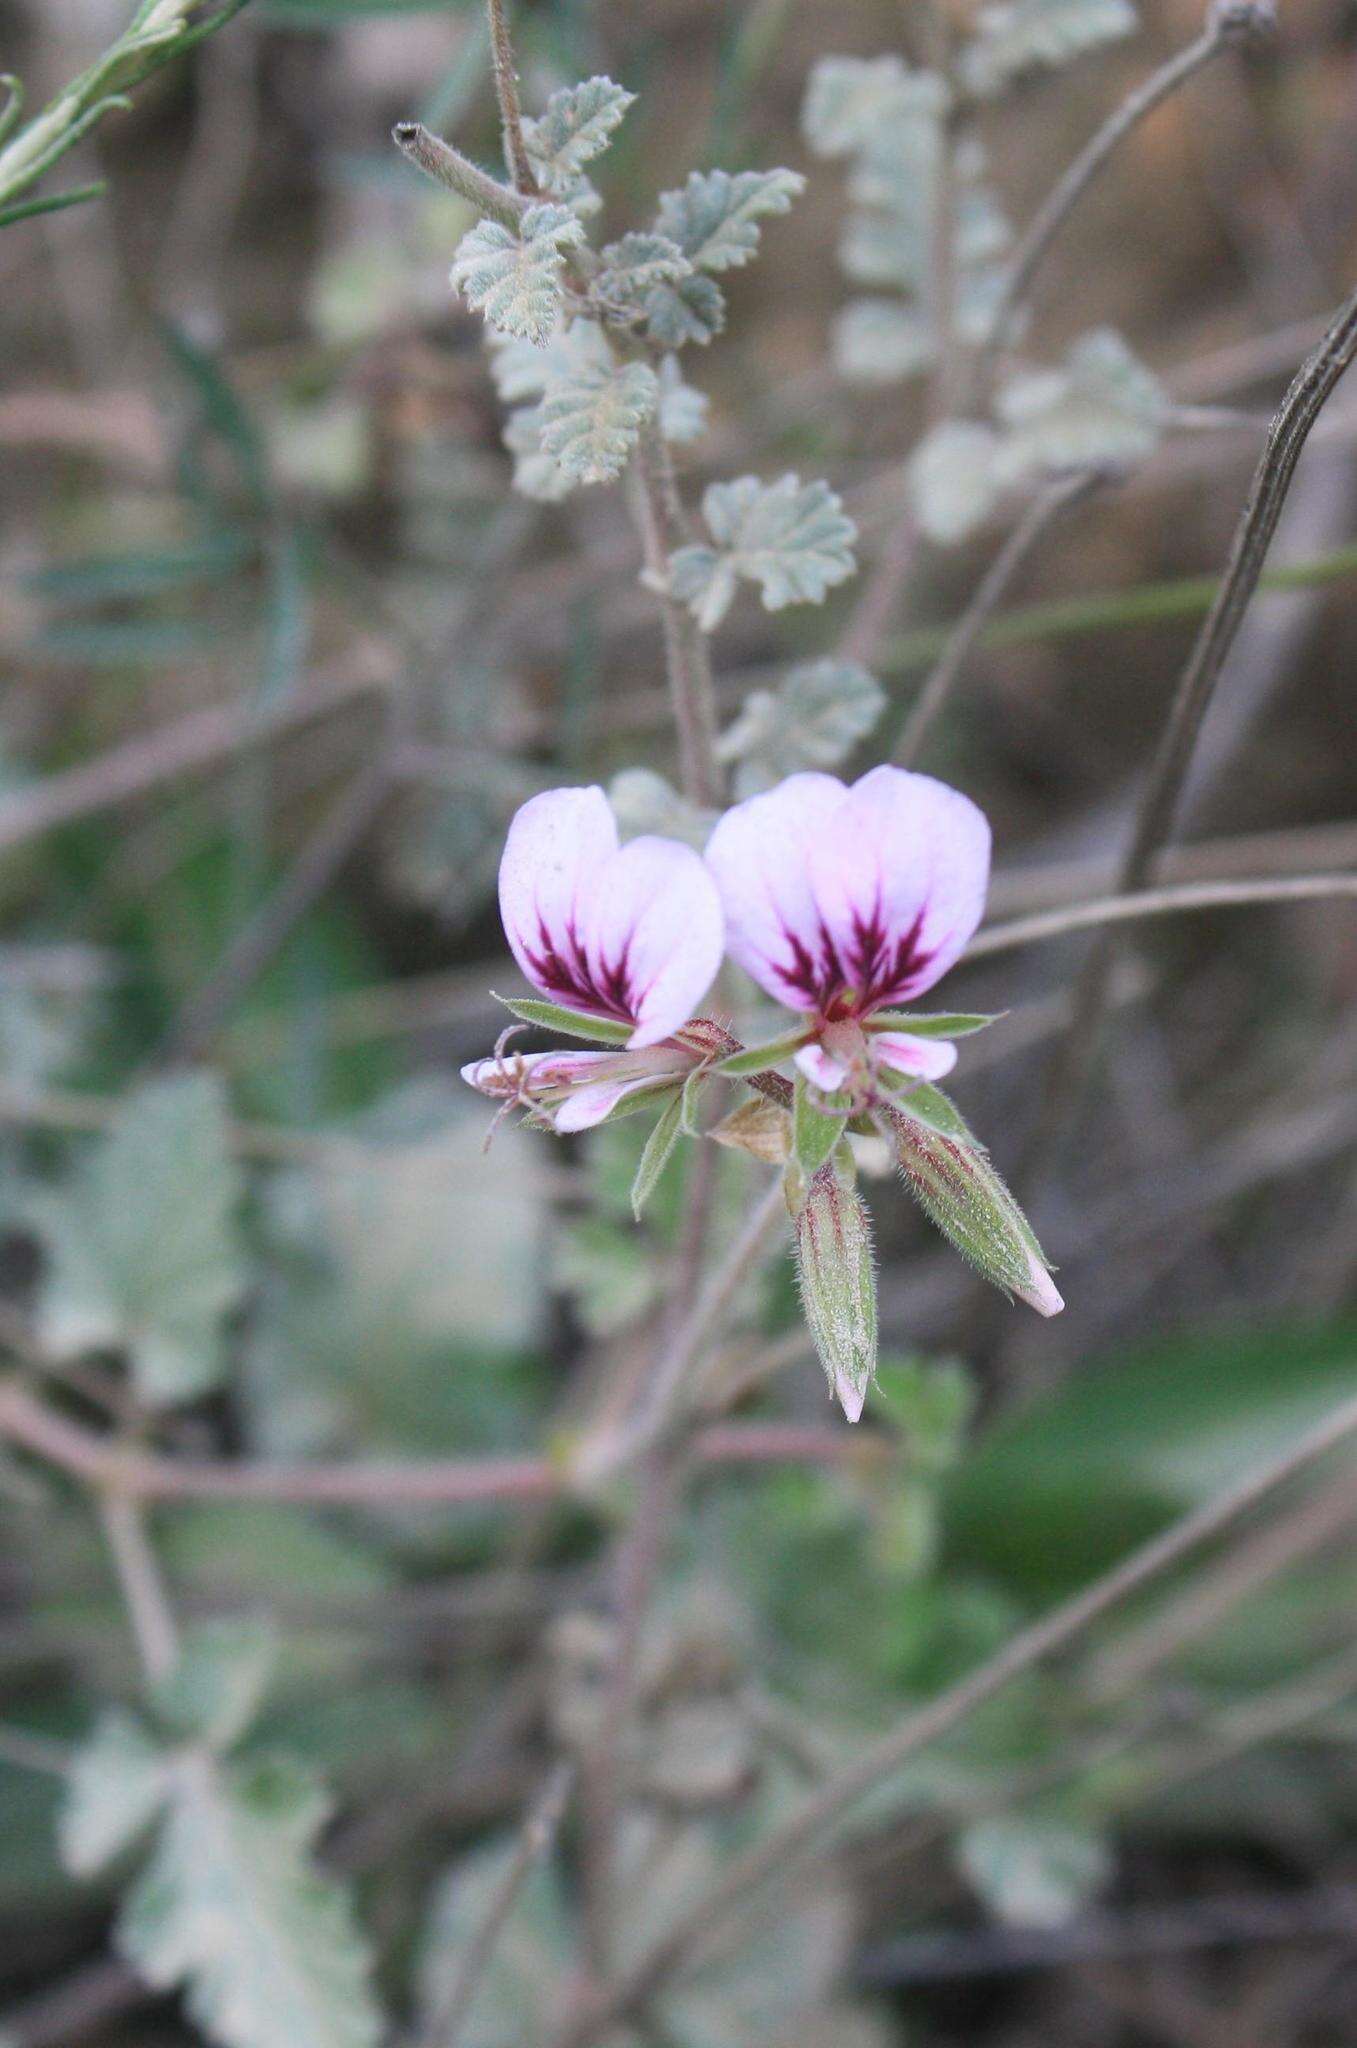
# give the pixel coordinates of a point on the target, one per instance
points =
(842, 904)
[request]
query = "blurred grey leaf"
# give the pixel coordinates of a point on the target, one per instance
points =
(519, 1996)
(954, 479)
(643, 802)
(1034, 1871)
(117, 1785)
(232, 1909)
(217, 1687)
(683, 409)
(1103, 406)
(881, 341)
(793, 539)
(850, 100)
(143, 1253)
(818, 713)
(1021, 35)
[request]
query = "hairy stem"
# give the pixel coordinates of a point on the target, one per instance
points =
(447, 166)
(506, 91)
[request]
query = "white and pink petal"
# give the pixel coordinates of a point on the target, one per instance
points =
(631, 932)
(925, 1059)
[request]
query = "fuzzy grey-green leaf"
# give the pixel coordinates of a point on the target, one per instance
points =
(793, 539)
(515, 279)
(232, 1909)
(1101, 406)
(819, 712)
(576, 126)
(591, 421)
(714, 218)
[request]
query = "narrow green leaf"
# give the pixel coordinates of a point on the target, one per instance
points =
(926, 1024)
(814, 1134)
(555, 1017)
(691, 1097)
(756, 1059)
(658, 1147)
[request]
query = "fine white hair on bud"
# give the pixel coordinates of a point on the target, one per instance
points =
(837, 1277)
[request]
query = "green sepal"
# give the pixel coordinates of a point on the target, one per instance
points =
(689, 1098)
(815, 1133)
(658, 1147)
(756, 1059)
(925, 1024)
(576, 1023)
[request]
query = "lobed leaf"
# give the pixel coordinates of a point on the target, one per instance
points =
(116, 1786)
(591, 421)
(714, 218)
(515, 279)
(1023, 35)
(233, 1909)
(575, 128)
(814, 719)
(793, 539)
(142, 1250)
(1103, 406)
(690, 309)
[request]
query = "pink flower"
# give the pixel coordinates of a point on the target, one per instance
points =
(632, 933)
(629, 936)
(844, 902)
(573, 1091)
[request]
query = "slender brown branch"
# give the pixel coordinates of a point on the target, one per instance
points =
(506, 92)
(990, 593)
(144, 1475)
(1053, 924)
(660, 1402)
(143, 1592)
(538, 1833)
(194, 743)
(1035, 243)
(692, 695)
(830, 1803)
(1310, 391)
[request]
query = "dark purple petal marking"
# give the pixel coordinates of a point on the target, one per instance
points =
(875, 966)
(565, 972)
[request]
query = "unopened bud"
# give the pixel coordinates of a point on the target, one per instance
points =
(956, 1184)
(838, 1283)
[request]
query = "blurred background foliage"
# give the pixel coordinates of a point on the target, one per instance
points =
(281, 656)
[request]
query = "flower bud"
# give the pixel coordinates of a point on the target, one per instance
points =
(950, 1172)
(838, 1282)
